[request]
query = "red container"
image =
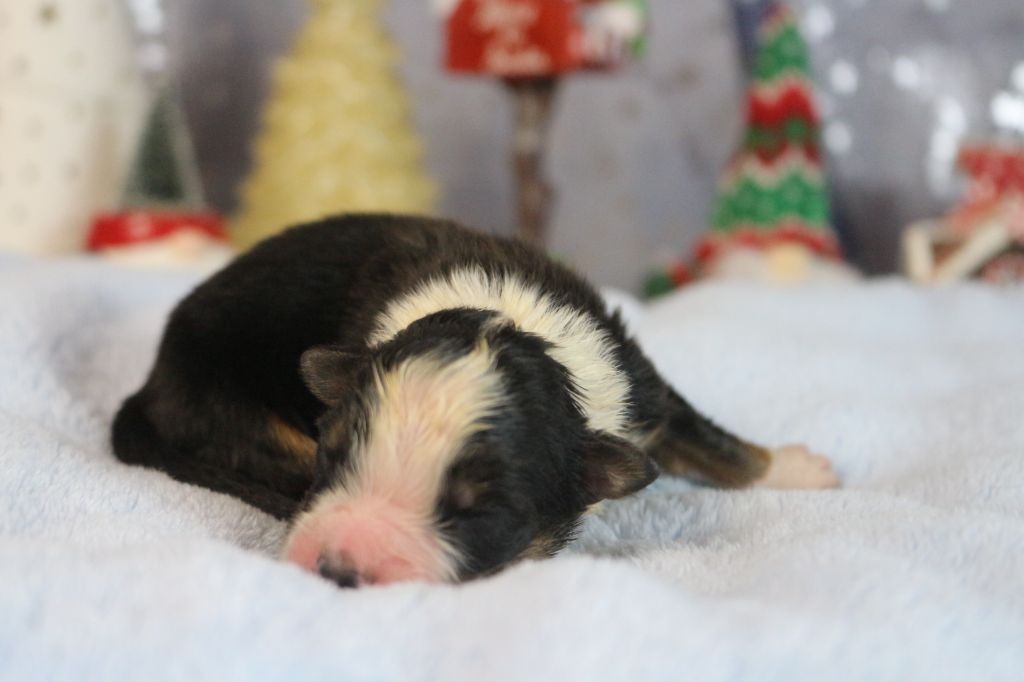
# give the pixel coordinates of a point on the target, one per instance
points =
(514, 38)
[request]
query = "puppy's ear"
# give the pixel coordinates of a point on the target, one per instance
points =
(613, 468)
(328, 371)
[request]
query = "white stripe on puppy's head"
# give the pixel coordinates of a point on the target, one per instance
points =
(381, 518)
(578, 343)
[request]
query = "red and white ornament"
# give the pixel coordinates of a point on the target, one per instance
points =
(539, 38)
(161, 239)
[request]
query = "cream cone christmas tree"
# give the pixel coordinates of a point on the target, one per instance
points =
(337, 134)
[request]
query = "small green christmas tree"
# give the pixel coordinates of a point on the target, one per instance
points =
(164, 173)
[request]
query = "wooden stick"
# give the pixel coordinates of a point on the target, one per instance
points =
(533, 99)
(985, 243)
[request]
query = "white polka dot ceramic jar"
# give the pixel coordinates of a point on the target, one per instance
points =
(71, 107)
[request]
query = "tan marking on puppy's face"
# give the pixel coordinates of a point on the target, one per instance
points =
(464, 493)
(293, 441)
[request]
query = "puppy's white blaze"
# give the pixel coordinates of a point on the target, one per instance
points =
(424, 411)
(578, 343)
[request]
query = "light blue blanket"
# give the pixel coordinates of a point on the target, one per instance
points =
(913, 571)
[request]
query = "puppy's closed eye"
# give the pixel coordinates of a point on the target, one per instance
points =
(469, 482)
(464, 493)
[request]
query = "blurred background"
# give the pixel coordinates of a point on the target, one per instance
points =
(633, 150)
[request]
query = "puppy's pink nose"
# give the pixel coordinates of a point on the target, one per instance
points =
(338, 568)
(369, 541)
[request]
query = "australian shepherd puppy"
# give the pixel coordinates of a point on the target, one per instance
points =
(420, 401)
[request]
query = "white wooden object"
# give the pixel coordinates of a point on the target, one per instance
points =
(918, 257)
(965, 254)
(71, 107)
(984, 243)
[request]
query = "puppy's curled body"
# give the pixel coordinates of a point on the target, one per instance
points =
(419, 399)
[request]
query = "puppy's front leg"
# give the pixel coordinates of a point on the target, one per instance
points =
(690, 445)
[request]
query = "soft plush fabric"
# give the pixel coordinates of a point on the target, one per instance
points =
(913, 571)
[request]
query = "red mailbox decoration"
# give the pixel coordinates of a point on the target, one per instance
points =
(530, 45)
(514, 38)
(541, 38)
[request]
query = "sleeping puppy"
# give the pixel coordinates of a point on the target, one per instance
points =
(421, 401)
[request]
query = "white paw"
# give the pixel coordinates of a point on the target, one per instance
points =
(795, 467)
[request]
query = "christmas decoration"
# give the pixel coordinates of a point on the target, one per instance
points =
(902, 85)
(71, 106)
(770, 218)
(336, 133)
(541, 38)
(161, 240)
(162, 220)
(530, 44)
(984, 235)
(164, 171)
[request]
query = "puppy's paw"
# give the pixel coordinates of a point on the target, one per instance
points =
(795, 467)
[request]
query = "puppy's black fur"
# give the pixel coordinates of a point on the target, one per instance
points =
(226, 405)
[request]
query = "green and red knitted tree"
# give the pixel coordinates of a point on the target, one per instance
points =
(772, 197)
